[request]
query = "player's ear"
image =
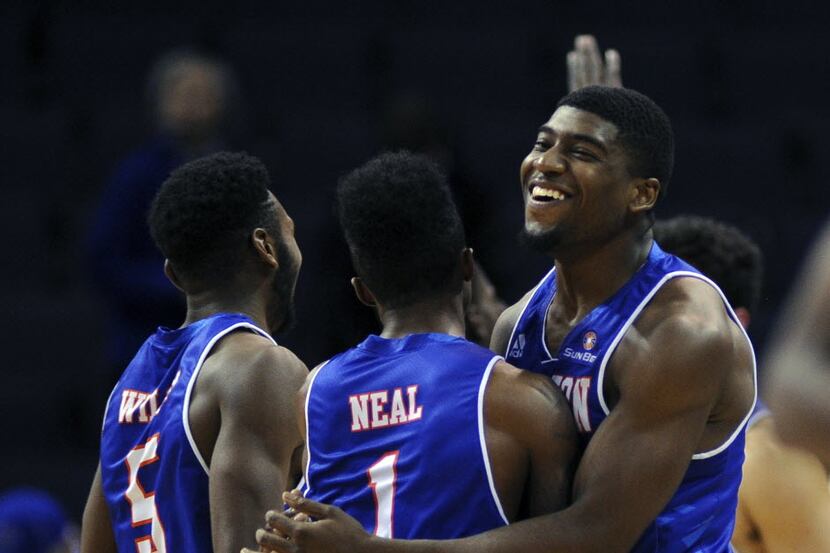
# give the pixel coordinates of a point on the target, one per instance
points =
(171, 275)
(364, 295)
(468, 264)
(264, 246)
(742, 313)
(644, 195)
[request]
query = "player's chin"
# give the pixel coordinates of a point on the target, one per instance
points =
(539, 238)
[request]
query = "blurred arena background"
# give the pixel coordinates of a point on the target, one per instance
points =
(324, 85)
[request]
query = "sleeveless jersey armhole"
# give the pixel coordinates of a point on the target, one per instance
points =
(633, 317)
(202, 357)
(306, 481)
(485, 379)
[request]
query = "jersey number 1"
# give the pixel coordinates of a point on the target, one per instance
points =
(143, 504)
(383, 477)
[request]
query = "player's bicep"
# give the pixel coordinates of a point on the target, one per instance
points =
(552, 441)
(254, 455)
(96, 530)
(636, 459)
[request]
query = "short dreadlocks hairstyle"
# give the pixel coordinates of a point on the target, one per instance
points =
(202, 217)
(719, 251)
(402, 227)
(644, 128)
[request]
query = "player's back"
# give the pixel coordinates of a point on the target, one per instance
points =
(393, 420)
(153, 476)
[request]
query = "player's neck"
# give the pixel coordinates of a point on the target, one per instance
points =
(440, 316)
(584, 281)
(207, 304)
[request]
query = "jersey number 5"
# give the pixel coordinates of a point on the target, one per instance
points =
(383, 476)
(143, 504)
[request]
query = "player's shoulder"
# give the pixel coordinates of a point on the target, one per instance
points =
(243, 361)
(683, 337)
(507, 322)
(687, 310)
(521, 396)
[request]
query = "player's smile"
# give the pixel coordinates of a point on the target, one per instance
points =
(545, 201)
(543, 193)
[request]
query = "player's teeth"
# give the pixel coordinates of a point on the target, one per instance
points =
(538, 191)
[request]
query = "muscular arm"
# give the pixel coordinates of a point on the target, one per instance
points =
(532, 441)
(96, 530)
(251, 461)
(800, 359)
(673, 364)
(784, 495)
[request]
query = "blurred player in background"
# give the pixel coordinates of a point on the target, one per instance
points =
(784, 501)
(190, 100)
(800, 358)
(420, 407)
(189, 450)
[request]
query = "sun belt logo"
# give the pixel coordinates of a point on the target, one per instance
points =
(518, 348)
(589, 340)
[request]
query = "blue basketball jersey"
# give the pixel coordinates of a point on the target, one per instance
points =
(701, 515)
(395, 437)
(154, 478)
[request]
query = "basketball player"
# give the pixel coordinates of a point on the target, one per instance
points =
(800, 358)
(189, 450)
(659, 372)
(783, 502)
(420, 407)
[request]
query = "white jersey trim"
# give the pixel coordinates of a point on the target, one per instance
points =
(484, 454)
(633, 317)
(524, 309)
(107, 407)
(306, 481)
(186, 402)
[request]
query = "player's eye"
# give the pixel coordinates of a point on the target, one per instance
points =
(582, 153)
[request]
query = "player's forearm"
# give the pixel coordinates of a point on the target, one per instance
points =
(562, 532)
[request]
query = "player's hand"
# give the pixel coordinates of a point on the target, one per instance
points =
(586, 67)
(332, 531)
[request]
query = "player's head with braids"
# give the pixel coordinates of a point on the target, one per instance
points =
(203, 217)
(644, 129)
(403, 229)
(719, 251)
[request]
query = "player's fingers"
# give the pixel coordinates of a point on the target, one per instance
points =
(272, 542)
(588, 50)
(573, 71)
(280, 525)
(312, 508)
(613, 68)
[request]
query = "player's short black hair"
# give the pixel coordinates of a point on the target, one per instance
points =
(720, 251)
(202, 216)
(644, 128)
(402, 227)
